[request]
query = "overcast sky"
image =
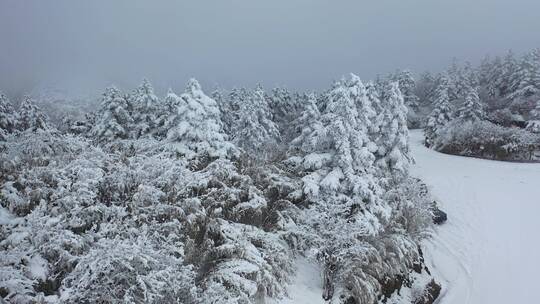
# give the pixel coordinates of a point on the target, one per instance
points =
(301, 44)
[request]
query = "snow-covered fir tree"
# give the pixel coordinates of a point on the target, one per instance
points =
(229, 106)
(285, 108)
(195, 126)
(393, 148)
(168, 109)
(407, 86)
(7, 117)
(30, 117)
(472, 108)
(146, 107)
(113, 120)
(441, 114)
(526, 81)
(255, 131)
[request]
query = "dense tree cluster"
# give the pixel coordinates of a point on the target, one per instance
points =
(500, 97)
(198, 199)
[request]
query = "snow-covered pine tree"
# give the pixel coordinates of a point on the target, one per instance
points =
(146, 106)
(407, 86)
(334, 151)
(229, 106)
(166, 110)
(7, 116)
(344, 193)
(255, 131)
(30, 117)
(526, 82)
(113, 120)
(472, 109)
(491, 77)
(195, 129)
(441, 114)
(508, 79)
(285, 108)
(306, 125)
(426, 86)
(393, 146)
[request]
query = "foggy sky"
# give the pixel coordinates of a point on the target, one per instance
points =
(302, 44)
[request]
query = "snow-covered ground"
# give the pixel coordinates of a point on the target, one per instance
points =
(489, 250)
(306, 287)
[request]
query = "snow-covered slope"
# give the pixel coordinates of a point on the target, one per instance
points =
(489, 250)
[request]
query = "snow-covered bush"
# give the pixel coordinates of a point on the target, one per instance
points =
(487, 140)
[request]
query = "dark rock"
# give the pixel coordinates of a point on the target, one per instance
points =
(439, 216)
(431, 292)
(390, 285)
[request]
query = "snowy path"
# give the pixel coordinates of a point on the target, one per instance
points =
(489, 250)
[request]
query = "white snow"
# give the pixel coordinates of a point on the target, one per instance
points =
(488, 251)
(306, 287)
(38, 267)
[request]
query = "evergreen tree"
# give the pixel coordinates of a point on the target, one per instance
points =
(440, 115)
(146, 108)
(425, 88)
(230, 109)
(284, 107)
(393, 147)
(336, 147)
(113, 120)
(472, 108)
(166, 111)
(527, 79)
(255, 131)
(195, 127)
(7, 117)
(30, 116)
(407, 86)
(307, 123)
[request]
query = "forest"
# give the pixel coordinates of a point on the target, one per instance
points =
(210, 196)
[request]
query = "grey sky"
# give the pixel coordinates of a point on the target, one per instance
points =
(298, 43)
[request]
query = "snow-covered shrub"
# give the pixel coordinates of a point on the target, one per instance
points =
(533, 124)
(487, 140)
(130, 271)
